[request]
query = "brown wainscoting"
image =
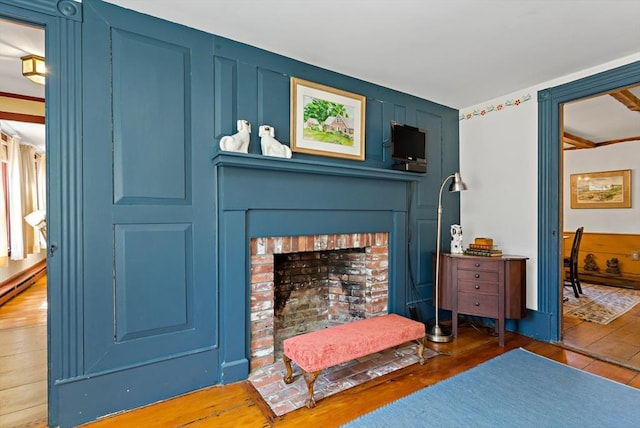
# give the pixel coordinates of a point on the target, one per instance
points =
(21, 281)
(605, 246)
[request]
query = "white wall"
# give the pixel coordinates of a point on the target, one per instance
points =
(499, 164)
(607, 158)
(17, 266)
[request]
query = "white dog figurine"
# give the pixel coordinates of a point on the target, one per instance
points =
(270, 146)
(456, 239)
(238, 142)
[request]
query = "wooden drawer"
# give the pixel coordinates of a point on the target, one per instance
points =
(479, 264)
(477, 275)
(484, 305)
(478, 287)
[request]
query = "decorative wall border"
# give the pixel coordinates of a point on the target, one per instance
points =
(497, 107)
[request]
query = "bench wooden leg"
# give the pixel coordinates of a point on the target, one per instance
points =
(421, 351)
(310, 378)
(288, 378)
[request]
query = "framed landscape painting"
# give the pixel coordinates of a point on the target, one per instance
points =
(607, 189)
(326, 121)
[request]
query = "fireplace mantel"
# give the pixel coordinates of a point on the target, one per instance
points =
(304, 166)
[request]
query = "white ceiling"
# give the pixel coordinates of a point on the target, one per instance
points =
(18, 40)
(602, 118)
(457, 53)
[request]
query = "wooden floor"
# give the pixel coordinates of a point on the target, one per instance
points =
(23, 358)
(23, 378)
(239, 405)
(618, 341)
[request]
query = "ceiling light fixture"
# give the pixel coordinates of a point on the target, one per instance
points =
(33, 68)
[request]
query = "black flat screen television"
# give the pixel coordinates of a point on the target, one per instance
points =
(408, 144)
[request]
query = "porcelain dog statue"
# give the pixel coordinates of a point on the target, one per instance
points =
(238, 142)
(270, 146)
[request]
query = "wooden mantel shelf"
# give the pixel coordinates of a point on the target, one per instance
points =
(303, 166)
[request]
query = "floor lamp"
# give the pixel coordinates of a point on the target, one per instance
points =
(435, 333)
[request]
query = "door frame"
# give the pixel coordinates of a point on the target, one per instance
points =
(61, 21)
(550, 102)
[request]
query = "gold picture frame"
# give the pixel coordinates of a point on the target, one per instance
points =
(606, 189)
(326, 121)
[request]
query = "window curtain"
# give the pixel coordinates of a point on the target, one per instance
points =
(15, 207)
(4, 233)
(41, 171)
(41, 178)
(28, 188)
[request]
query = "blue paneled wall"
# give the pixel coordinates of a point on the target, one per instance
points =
(132, 321)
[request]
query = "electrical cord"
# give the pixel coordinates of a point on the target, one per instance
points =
(414, 288)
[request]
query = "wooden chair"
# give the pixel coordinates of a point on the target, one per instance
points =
(571, 263)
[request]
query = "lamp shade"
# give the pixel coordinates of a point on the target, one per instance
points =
(34, 69)
(38, 220)
(457, 184)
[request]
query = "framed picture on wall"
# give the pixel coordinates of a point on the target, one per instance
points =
(326, 121)
(606, 189)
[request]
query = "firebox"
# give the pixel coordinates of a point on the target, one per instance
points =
(304, 283)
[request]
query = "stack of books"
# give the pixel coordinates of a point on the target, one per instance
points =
(494, 252)
(483, 247)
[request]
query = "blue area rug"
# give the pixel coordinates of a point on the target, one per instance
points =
(516, 389)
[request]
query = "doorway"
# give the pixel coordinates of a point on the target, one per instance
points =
(23, 318)
(600, 134)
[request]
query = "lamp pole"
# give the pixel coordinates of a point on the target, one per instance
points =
(436, 334)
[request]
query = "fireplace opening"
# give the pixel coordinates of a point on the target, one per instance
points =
(316, 289)
(304, 283)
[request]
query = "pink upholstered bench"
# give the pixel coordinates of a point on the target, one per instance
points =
(328, 347)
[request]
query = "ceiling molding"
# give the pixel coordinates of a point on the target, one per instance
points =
(21, 108)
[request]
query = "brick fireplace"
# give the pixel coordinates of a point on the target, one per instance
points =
(303, 283)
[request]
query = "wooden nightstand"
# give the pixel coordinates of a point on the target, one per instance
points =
(491, 287)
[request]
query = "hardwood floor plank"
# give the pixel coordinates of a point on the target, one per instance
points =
(33, 417)
(13, 378)
(213, 405)
(23, 397)
(611, 371)
(21, 362)
(28, 308)
(23, 340)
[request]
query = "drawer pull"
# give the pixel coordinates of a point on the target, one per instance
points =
(477, 287)
(476, 264)
(477, 303)
(477, 275)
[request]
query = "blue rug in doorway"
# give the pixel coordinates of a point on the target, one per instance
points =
(516, 389)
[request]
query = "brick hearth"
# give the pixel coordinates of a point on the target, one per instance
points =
(371, 270)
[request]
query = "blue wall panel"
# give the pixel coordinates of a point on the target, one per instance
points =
(377, 129)
(273, 104)
(225, 102)
(157, 142)
(137, 277)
